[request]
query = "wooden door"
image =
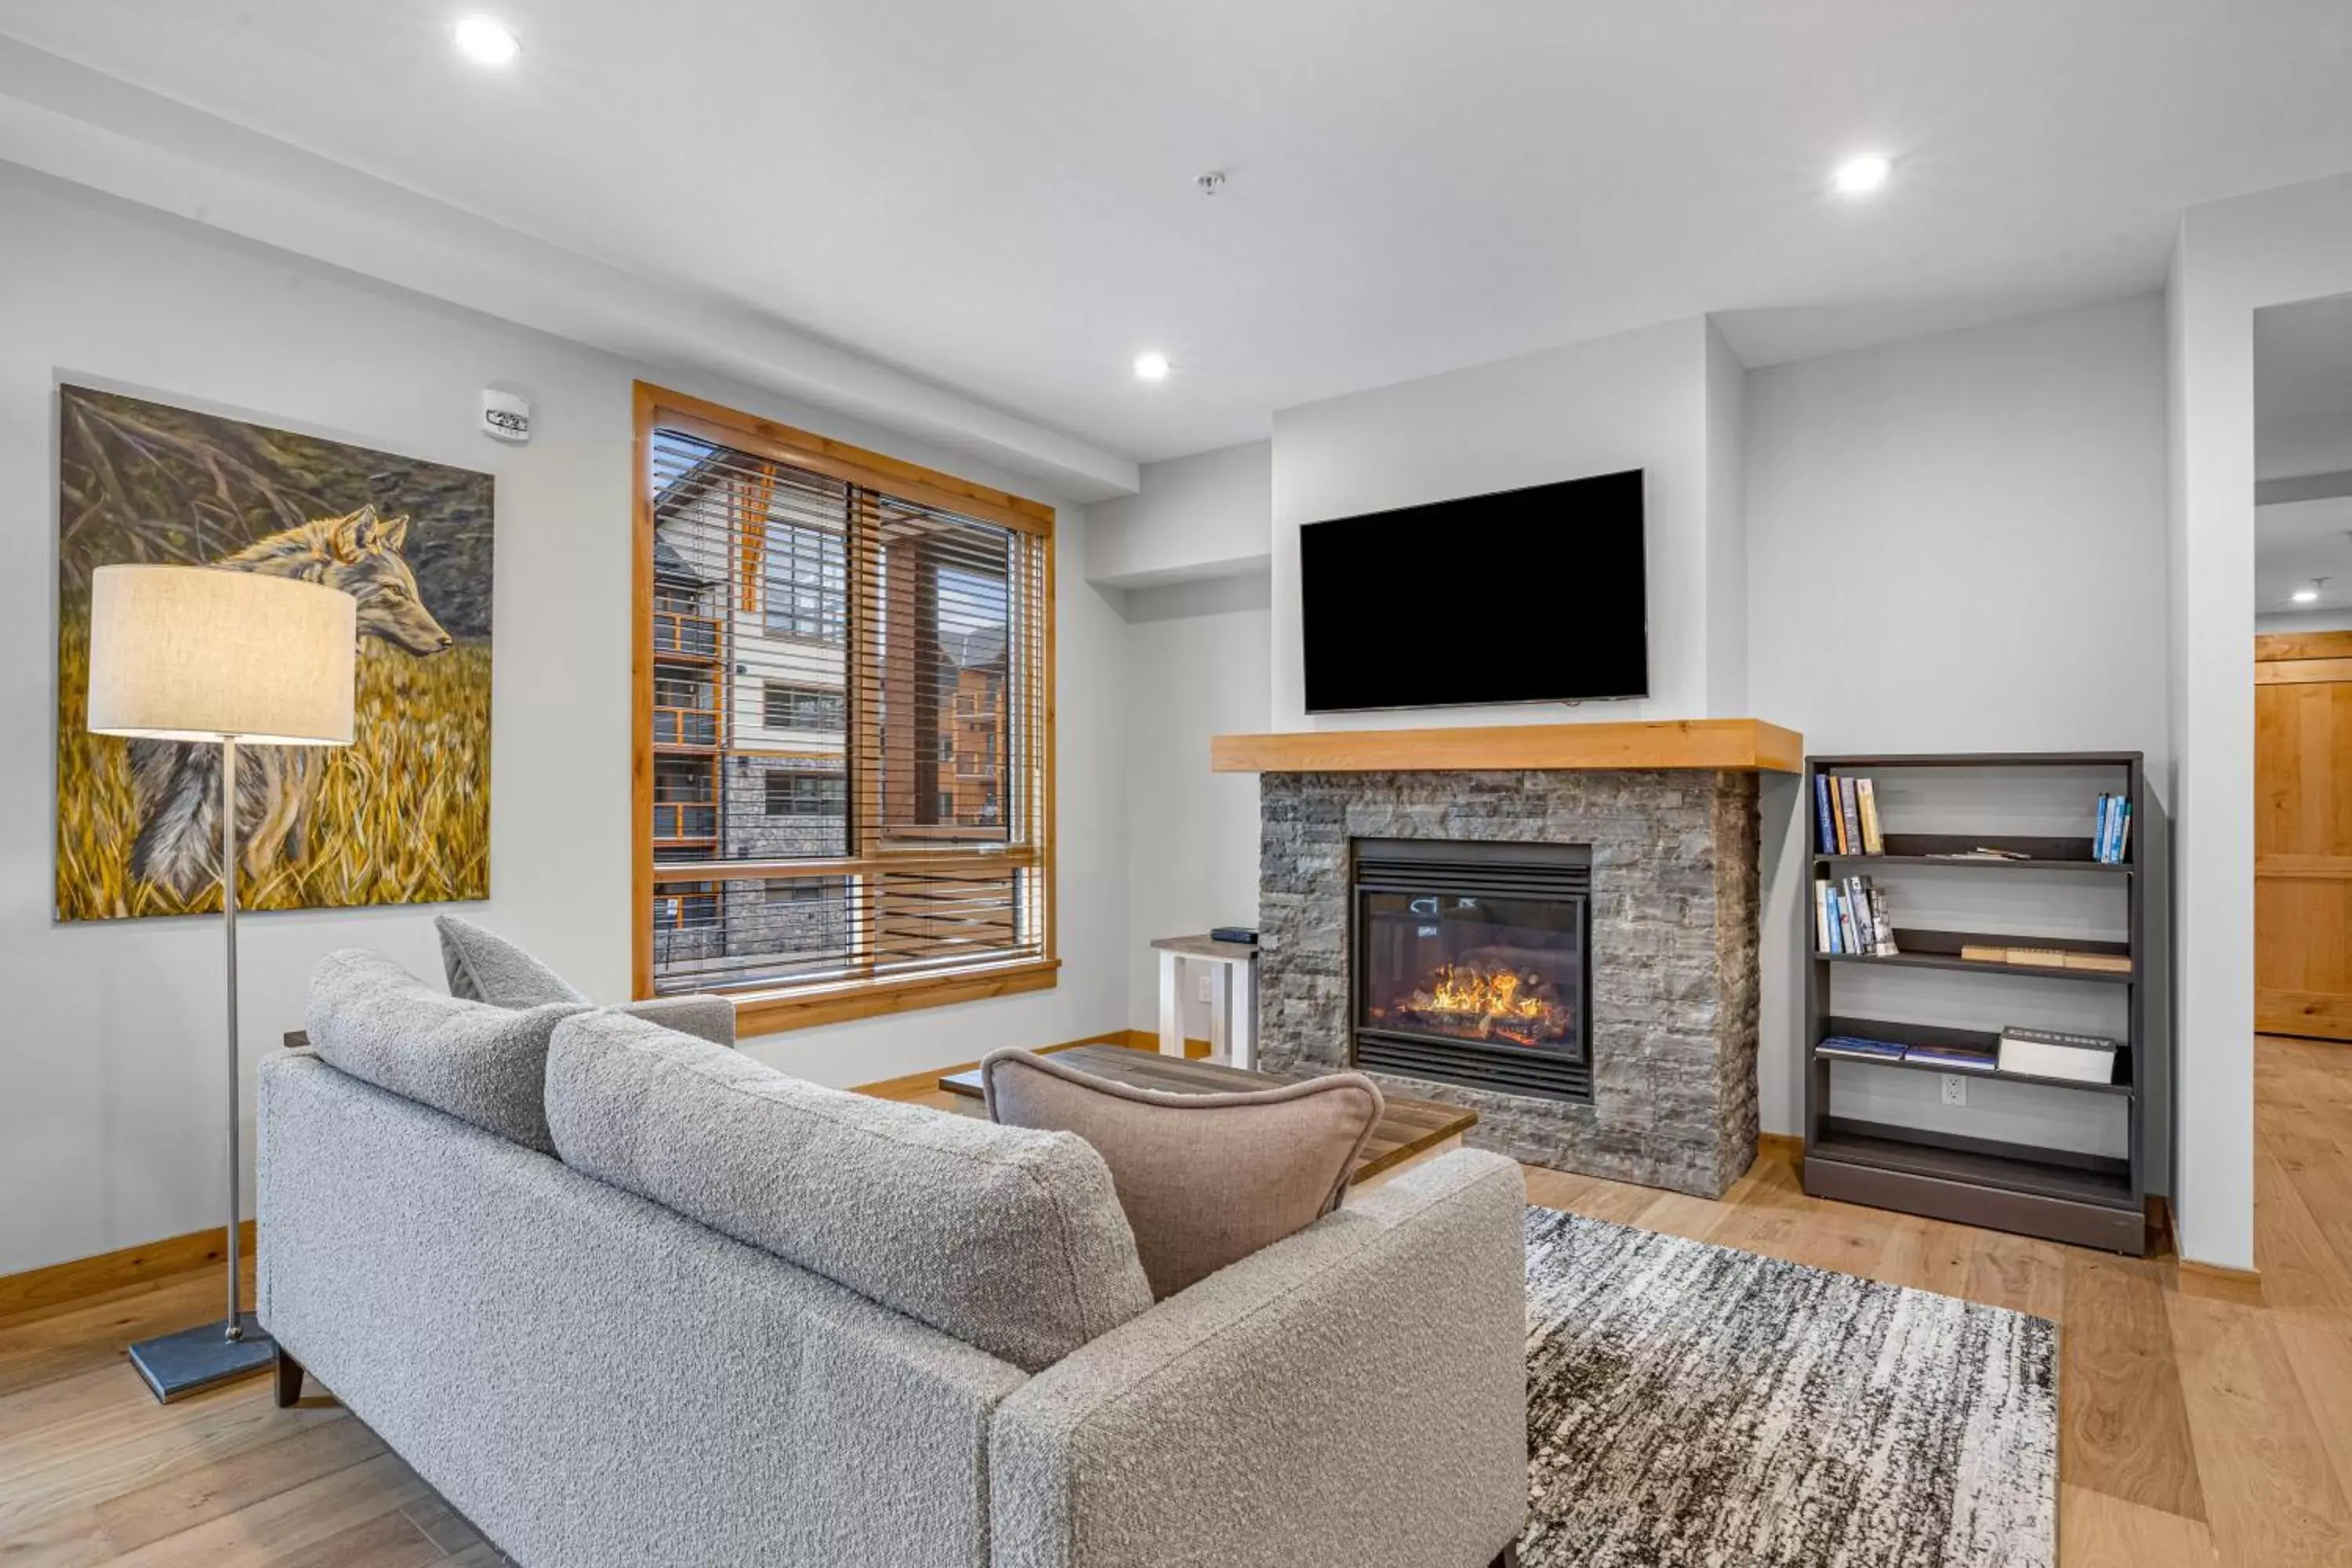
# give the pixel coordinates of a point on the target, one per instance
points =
(2303, 834)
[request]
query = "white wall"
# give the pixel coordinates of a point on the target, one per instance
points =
(1726, 530)
(1208, 515)
(1637, 400)
(2233, 259)
(1954, 543)
(1192, 836)
(111, 1132)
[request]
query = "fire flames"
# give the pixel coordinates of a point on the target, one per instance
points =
(1471, 998)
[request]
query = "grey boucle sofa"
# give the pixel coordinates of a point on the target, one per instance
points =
(598, 1380)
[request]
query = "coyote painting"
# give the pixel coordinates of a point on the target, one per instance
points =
(400, 816)
(177, 785)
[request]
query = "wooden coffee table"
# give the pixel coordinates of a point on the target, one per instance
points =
(1410, 1130)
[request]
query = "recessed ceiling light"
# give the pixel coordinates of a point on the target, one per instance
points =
(481, 40)
(1860, 177)
(2309, 593)
(1152, 365)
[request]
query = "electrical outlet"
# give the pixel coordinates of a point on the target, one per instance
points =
(1956, 1090)
(1202, 985)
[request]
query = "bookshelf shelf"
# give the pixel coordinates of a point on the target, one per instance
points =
(2051, 864)
(1941, 950)
(1899, 1065)
(2009, 1167)
(2097, 1200)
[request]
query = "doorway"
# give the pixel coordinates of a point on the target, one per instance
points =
(2303, 670)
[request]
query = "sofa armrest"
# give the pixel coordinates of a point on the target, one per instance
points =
(1354, 1394)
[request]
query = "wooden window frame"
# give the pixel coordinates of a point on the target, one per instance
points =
(768, 1009)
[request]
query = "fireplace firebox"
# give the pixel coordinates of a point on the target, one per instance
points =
(1472, 964)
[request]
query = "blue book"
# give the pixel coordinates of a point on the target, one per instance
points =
(1856, 1046)
(2123, 828)
(1952, 1058)
(2106, 840)
(1837, 942)
(1822, 809)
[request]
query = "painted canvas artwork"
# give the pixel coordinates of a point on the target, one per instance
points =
(403, 815)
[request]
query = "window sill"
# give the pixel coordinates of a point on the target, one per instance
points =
(773, 1012)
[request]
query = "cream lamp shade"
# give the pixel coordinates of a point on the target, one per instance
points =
(202, 652)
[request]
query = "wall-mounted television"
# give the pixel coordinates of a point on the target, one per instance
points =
(1527, 595)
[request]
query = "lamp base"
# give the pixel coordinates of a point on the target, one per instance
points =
(176, 1365)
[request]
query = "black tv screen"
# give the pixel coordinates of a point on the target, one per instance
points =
(1528, 595)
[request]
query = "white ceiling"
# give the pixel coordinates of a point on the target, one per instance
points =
(999, 197)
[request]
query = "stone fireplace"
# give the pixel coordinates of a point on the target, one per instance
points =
(1572, 952)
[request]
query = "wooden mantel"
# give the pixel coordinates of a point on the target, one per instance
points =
(1734, 745)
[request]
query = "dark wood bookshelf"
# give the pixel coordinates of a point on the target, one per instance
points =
(2063, 1194)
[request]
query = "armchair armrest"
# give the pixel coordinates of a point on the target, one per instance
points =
(1354, 1394)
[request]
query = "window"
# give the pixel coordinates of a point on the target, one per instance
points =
(842, 725)
(786, 707)
(806, 795)
(807, 571)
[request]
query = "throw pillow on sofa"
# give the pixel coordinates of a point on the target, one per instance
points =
(483, 966)
(1205, 1179)
(481, 1064)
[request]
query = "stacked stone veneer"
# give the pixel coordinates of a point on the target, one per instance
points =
(1673, 1032)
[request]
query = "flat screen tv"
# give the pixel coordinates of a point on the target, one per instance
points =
(1528, 595)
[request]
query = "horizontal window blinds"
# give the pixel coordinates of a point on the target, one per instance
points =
(847, 732)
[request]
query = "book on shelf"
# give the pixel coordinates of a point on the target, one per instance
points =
(2111, 838)
(2054, 1052)
(2045, 958)
(1851, 920)
(1981, 853)
(1845, 815)
(1952, 1058)
(1873, 841)
(1862, 1048)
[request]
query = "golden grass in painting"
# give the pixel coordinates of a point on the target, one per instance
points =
(398, 817)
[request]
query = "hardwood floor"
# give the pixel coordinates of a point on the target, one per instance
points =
(2205, 1421)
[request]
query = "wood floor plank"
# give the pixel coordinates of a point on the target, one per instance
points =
(1929, 1254)
(2270, 1489)
(445, 1526)
(211, 1487)
(2095, 1531)
(391, 1539)
(274, 1530)
(2302, 1272)
(2126, 1424)
(62, 1341)
(2018, 1272)
(2321, 1354)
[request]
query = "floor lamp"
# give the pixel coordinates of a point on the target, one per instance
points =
(222, 658)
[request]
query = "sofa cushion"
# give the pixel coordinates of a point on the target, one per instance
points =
(485, 967)
(481, 1064)
(1205, 1179)
(1010, 1241)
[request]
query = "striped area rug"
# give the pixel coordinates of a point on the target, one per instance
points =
(1691, 1404)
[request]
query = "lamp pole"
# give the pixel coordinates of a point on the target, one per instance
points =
(236, 1322)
